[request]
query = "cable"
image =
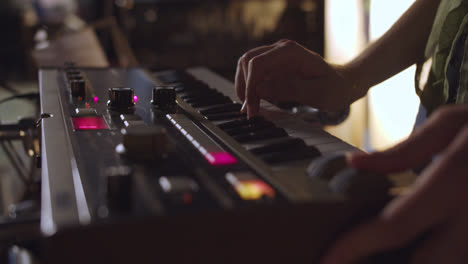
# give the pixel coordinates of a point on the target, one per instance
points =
(29, 96)
(16, 155)
(15, 160)
(18, 169)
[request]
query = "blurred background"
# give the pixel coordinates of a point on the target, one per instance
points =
(161, 34)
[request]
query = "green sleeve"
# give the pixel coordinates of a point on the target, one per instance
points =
(447, 26)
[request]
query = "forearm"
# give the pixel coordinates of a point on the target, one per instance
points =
(400, 47)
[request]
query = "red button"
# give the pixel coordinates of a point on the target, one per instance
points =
(220, 158)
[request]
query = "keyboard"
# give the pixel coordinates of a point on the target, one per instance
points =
(142, 166)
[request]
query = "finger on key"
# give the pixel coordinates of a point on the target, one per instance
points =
(239, 83)
(266, 64)
(241, 71)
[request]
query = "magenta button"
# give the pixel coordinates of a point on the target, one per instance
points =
(220, 158)
(89, 123)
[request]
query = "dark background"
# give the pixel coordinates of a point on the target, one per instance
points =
(165, 34)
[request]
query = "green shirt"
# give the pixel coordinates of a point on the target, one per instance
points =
(449, 27)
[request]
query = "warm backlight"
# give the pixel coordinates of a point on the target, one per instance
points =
(89, 123)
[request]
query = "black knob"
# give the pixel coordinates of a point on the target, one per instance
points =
(164, 97)
(78, 87)
(119, 186)
(120, 98)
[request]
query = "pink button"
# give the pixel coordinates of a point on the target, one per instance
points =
(220, 158)
(89, 123)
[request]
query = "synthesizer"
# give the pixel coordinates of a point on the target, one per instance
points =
(142, 166)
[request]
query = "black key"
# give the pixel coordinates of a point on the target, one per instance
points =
(289, 144)
(221, 109)
(187, 87)
(224, 116)
(241, 122)
(211, 101)
(249, 128)
(233, 123)
(294, 155)
(262, 134)
(203, 97)
(198, 93)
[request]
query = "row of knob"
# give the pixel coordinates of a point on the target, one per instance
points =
(164, 97)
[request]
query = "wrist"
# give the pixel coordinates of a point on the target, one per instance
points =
(350, 76)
